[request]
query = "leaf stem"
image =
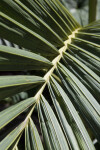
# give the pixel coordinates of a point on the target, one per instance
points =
(92, 10)
(49, 73)
(54, 62)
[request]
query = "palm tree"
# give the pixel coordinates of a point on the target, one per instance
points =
(67, 93)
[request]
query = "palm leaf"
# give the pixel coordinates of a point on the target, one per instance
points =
(21, 60)
(72, 116)
(33, 140)
(55, 133)
(10, 85)
(65, 125)
(56, 44)
(12, 112)
(11, 137)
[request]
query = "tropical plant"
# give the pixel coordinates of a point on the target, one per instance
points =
(68, 90)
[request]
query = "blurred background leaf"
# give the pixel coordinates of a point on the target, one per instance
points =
(79, 9)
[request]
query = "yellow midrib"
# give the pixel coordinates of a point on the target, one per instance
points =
(54, 62)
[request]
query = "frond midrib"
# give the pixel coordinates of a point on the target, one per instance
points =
(55, 61)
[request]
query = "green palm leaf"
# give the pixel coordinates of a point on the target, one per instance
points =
(72, 117)
(11, 137)
(10, 85)
(55, 133)
(13, 59)
(32, 137)
(12, 112)
(68, 57)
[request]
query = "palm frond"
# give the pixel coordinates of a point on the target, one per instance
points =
(56, 43)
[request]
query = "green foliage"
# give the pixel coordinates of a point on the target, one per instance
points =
(55, 44)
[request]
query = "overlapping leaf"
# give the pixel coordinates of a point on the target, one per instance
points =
(83, 99)
(70, 137)
(10, 85)
(13, 59)
(32, 138)
(11, 137)
(72, 116)
(30, 20)
(55, 137)
(12, 112)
